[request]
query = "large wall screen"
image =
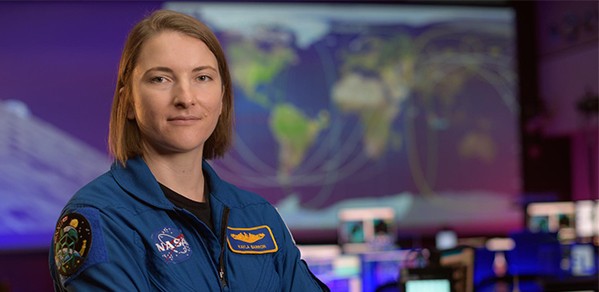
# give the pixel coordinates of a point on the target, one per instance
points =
(409, 107)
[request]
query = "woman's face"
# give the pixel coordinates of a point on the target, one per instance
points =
(176, 93)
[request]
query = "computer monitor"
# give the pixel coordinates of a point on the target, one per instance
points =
(587, 218)
(583, 260)
(366, 229)
(552, 217)
(427, 285)
(439, 279)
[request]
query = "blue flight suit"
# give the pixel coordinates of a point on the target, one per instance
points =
(120, 233)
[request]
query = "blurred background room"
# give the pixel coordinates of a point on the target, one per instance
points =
(409, 145)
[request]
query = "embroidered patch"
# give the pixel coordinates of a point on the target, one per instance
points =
(72, 242)
(171, 245)
(252, 240)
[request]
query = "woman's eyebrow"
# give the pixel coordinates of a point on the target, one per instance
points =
(202, 68)
(169, 70)
(160, 69)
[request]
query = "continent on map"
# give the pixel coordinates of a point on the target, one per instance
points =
(294, 133)
(375, 81)
(254, 66)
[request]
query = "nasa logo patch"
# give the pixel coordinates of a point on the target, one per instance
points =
(171, 245)
(72, 242)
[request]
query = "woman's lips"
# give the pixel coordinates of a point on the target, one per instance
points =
(183, 120)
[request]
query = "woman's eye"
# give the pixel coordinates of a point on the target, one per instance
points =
(158, 79)
(204, 78)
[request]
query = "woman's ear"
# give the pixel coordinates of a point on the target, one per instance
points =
(131, 112)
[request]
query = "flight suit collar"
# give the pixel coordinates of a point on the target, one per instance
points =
(137, 179)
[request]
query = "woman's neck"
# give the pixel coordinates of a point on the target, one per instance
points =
(181, 173)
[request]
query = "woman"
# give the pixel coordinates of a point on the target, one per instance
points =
(161, 219)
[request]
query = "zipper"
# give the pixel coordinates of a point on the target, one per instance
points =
(223, 247)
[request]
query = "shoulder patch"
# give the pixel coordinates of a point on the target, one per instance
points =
(72, 243)
(251, 240)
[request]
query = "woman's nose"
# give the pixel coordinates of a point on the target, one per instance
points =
(182, 95)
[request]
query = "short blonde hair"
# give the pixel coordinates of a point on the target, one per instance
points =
(124, 137)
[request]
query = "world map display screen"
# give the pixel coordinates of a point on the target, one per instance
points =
(411, 108)
(353, 106)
